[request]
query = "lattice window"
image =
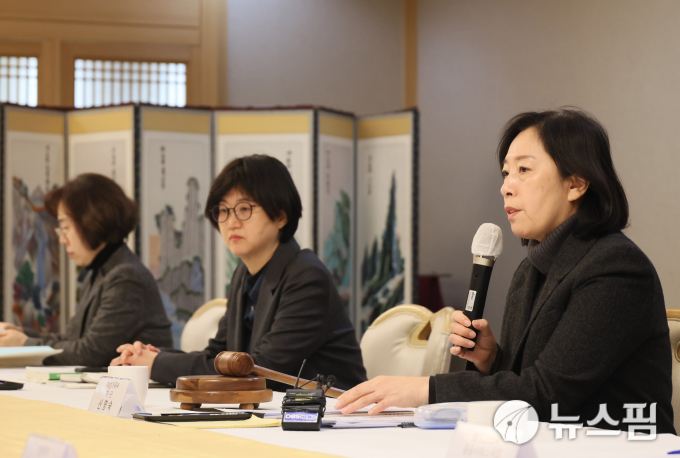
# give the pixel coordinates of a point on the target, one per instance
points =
(104, 82)
(19, 80)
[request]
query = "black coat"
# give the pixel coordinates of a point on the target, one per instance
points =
(597, 334)
(299, 315)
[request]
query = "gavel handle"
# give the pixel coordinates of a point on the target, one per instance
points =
(290, 380)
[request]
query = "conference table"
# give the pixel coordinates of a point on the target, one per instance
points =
(373, 442)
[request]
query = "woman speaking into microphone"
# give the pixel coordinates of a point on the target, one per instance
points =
(584, 322)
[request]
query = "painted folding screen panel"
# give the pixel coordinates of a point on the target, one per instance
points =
(287, 135)
(33, 262)
(335, 199)
(175, 241)
(101, 140)
(387, 214)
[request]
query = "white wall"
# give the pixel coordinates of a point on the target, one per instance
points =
(480, 63)
(344, 54)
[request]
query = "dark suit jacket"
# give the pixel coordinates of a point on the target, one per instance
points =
(299, 315)
(597, 334)
(122, 305)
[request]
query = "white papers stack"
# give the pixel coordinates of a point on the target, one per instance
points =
(42, 374)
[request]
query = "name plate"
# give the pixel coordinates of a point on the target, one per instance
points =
(115, 397)
(475, 441)
(38, 446)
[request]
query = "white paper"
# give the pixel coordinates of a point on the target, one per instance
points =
(38, 446)
(115, 397)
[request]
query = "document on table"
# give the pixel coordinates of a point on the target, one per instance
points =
(25, 356)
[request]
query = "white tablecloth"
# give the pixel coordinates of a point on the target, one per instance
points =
(375, 442)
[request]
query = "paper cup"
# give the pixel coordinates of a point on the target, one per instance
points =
(138, 374)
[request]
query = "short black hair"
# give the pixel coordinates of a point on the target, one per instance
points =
(99, 208)
(265, 180)
(579, 145)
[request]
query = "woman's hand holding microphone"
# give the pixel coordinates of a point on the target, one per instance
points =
(485, 346)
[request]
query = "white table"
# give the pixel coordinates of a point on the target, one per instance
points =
(392, 442)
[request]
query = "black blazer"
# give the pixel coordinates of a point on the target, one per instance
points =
(597, 334)
(299, 315)
(121, 305)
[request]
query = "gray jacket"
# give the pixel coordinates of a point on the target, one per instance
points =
(120, 306)
(596, 334)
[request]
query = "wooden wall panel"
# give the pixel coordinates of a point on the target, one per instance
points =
(175, 13)
(60, 31)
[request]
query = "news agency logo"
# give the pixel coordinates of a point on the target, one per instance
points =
(516, 421)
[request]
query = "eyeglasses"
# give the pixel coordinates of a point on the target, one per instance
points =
(60, 232)
(243, 211)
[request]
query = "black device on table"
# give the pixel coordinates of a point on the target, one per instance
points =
(303, 409)
(10, 385)
(92, 369)
(169, 417)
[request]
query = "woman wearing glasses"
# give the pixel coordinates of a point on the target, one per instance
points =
(283, 306)
(119, 299)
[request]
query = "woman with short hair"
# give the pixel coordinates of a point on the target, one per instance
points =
(119, 298)
(283, 306)
(585, 322)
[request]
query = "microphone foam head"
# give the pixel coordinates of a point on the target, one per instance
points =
(488, 241)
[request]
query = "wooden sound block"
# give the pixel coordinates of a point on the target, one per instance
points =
(248, 392)
(221, 383)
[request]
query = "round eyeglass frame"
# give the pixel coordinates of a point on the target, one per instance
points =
(60, 233)
(215, 211)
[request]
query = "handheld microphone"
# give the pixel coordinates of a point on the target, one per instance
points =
(487, 245)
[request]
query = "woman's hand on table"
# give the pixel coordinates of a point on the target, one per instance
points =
(485, 347)
(386, 392)
(137, 354)
(12, 338)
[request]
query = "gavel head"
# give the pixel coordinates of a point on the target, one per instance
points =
(234, 364)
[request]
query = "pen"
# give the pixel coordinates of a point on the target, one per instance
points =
(407, 424)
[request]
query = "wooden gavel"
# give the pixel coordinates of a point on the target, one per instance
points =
(235, 364)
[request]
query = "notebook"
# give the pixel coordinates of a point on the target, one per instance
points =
(25, 356)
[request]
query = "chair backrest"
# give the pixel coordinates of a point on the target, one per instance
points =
(673, 316)
(408, 340)
(202, 326)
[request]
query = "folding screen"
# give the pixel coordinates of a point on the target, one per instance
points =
(357, 179)
(335, 209)
(175, 171)
(387, 214)
(101, 140)
(284, 134)
(33, 264)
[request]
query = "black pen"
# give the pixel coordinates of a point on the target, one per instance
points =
(407, 424)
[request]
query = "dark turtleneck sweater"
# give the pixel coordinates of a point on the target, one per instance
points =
(99, 260)
(542, 254)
